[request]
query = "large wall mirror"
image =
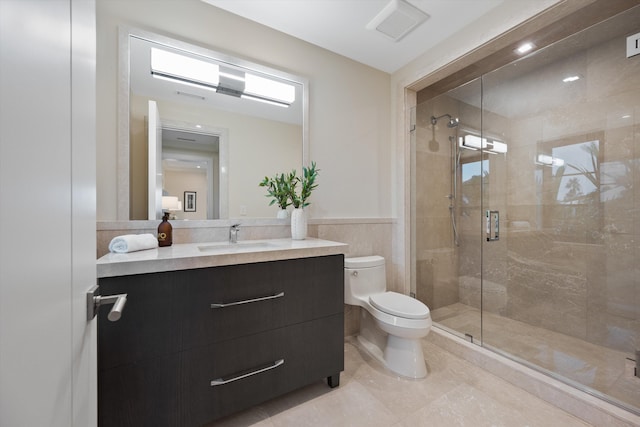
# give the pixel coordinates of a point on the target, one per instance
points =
(198, 130)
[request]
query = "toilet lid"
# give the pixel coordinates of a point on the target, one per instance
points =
(399, 305)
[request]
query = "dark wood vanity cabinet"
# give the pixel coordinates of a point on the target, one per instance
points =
(173, 359)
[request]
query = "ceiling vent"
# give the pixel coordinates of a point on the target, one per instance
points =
(397, 19)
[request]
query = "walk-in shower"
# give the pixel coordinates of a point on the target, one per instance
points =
(559, 159)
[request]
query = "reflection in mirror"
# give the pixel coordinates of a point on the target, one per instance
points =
(213, 128)
(571, 177)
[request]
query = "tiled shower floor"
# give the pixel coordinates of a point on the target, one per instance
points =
(601, 369)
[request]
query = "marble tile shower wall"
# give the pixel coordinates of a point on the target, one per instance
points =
(574, 269)
(436, 255)
(364, 237)
(568, 256)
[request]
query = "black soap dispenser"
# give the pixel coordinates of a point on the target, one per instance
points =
(165, 231)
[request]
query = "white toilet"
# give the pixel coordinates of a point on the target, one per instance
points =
(391, 324)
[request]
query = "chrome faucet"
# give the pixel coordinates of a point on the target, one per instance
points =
(233, 233)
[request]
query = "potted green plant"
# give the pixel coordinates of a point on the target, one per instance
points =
(278, 189)
(307, 184)
(300, 200)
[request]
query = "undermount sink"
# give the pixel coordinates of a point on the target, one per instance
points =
(230, 247)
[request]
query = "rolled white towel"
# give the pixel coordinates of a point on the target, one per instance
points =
(132, 243)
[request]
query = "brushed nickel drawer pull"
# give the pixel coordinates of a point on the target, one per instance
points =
(220, 381)
(247, 301)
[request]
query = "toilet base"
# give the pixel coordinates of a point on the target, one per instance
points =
(402, 356)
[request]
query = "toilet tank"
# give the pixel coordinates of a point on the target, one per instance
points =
(363, 276)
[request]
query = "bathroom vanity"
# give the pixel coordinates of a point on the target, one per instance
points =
(209, 330)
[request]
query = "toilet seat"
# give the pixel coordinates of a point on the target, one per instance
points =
(399, 305)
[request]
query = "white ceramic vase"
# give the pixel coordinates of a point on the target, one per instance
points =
(298, 224)
(282, 214)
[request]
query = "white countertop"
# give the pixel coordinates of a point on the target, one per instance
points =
(213, 254)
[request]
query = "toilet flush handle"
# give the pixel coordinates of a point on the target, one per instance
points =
(354, 273)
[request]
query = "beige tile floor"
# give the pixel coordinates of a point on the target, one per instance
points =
(455, 393)
(601, 369)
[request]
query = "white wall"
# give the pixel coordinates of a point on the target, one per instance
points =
(349, 102)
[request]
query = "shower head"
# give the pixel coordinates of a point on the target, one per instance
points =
(453, 121)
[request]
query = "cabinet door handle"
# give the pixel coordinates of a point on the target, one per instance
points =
(220, 381)
(246, 301)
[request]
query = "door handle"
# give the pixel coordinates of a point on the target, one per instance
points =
(493, 225)
(94, 301)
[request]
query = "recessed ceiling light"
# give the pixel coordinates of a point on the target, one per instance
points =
(571, 79)
(524, 48)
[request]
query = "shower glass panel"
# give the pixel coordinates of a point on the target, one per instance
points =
(446, 206)
(550, 144)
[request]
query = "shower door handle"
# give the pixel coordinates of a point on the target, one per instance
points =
(493, 225)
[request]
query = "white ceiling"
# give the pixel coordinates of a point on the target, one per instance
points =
(340, 25)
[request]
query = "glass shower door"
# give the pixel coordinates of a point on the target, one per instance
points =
(526, 210)
(446, 204)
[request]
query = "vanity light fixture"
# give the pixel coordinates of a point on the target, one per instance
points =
(193, 72)
(264, 101)
(524, 48)
(269, 89)
(571, 79)
(172, 66)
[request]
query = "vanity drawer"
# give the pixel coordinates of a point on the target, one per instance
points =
(233, 301)
(258, 368)
(200, 366)
(248, 299)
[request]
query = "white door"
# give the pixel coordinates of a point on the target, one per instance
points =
(47, 212)
(154, 129)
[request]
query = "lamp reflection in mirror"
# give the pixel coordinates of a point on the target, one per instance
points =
(171, 204)
(546, 160)
(474, 142)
